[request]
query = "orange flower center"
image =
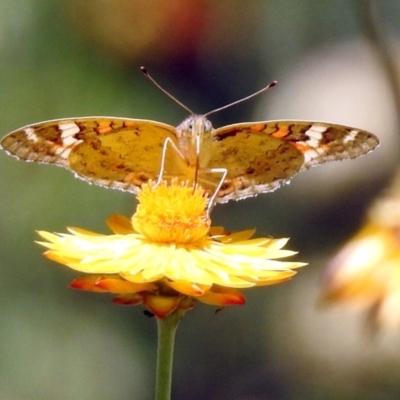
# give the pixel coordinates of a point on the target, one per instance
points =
(172, 213)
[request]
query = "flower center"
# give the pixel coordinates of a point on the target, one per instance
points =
(172, 213)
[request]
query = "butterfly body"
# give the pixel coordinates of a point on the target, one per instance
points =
(124, 153)
(195, 140)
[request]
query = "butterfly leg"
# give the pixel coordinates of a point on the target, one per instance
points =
(224, 173)
(167, 142)
(197, 173)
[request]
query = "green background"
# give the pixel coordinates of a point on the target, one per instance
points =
(81, 58)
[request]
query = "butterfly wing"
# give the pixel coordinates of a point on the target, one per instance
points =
(261, 156)
(112, 152)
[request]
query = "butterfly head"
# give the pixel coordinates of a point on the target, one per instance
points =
(195, 140)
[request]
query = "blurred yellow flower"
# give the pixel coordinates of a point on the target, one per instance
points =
(167, 255)
(366, 272)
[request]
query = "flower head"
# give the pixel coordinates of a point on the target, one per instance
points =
(167, 255)
(366, 272)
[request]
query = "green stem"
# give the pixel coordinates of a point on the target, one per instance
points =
(166, 338)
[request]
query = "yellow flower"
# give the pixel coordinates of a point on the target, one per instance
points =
(167, 255)
(366, 272)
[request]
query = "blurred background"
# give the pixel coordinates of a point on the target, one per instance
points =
(75, 58)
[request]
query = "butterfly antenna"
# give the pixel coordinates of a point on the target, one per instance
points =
(148, 76)
(272, 84)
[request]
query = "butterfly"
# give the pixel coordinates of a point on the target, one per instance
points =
(232, 162)
(123, 153)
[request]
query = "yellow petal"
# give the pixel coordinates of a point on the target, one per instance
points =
(120, 224)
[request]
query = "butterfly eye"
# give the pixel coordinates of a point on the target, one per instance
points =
(207, 125)
(188, 124)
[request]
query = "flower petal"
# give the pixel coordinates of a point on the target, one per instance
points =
(161, 306)
(118, 285)
(188, 288)
(222, 296)
(131, 299)
(87, 283)
(120, 224)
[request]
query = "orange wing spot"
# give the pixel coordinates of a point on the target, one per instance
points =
(130, 123)
(283, 131)
(301, 147)
(258, 127)
(101, 131)
(103, 127)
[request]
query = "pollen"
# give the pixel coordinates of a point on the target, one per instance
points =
(172, 213)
